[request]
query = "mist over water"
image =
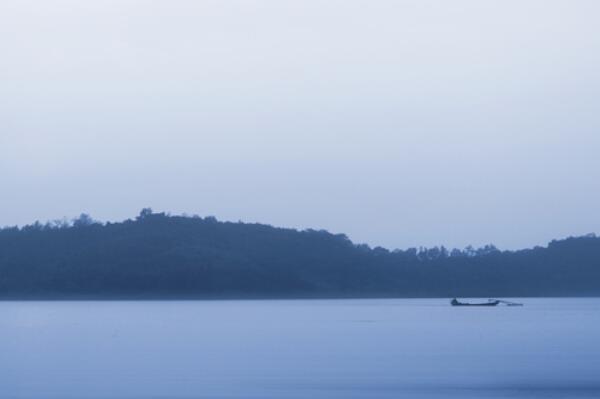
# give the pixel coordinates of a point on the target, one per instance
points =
(299, 349)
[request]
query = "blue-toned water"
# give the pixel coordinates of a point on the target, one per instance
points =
(397, 348)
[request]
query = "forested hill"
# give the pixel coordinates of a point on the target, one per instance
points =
(161, 256)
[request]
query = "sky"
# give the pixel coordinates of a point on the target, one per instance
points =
(400, 123)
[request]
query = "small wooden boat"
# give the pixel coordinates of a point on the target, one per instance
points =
(490, 302)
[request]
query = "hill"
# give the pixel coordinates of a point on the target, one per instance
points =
(162, 256)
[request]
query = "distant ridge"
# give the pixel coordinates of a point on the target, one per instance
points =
(161, 256)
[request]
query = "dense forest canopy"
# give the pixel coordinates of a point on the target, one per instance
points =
(162, 256)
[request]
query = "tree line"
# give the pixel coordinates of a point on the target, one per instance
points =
(157, 255)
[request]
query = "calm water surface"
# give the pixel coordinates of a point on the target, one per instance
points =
(398, 348)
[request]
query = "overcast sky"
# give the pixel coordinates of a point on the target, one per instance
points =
(400, 123)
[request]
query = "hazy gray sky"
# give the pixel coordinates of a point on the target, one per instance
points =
(400, 123)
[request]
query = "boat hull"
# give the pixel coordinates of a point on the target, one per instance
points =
(475, 304)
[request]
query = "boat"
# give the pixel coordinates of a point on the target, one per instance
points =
(490, 302)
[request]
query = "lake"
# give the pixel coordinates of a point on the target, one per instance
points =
(367, 348)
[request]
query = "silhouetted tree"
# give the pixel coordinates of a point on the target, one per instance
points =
(144, 213)
(83, 220)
